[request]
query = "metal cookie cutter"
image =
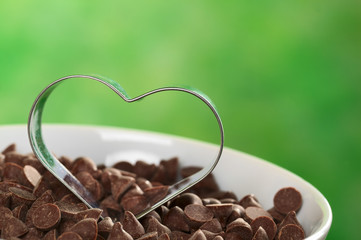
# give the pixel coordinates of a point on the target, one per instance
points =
(72, 183)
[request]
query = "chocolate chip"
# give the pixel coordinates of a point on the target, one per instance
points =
(119, 233)
(86, 228)
(93, 213)
(207, 201)
(290, 218)
(91, 184)
(13, 172)
(239, 227)
(197, 215)
(260, 234)
(70, 236)
(149, 236)
(175, 220)
(119, 185)
(198, 235)
(83, 164)
(252, 213)
(221, 211)
(277, 216)
(5, 214)
(291, 231)
(155, 226)
(41, 186)
(135, 204)
(20, 196)
(267, 224)
(13, 227)
(185, 199)
(178, 235)
(32, 175)
(164, 236)
(46, 217)
(14, 157)
(33, 234)
(51, 235)
(143, 183)
(155, 194)
(213, 226)
(5, 199)
(145, 170)
(105, 226)
(46, 197)
(10, 148)
(132, 226)
(125, 166)
(287, 199)
(20, 212)
(249, 201)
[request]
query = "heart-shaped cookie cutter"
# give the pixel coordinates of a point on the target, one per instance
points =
(72, 183)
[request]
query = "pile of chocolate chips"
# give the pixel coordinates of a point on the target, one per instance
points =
(35, 205)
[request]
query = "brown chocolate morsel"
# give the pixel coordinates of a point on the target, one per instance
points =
(213, 226)
(119, 233)
(249, 201)
(35, 163)
(91, 184)
(5, 185)
(291, 231)
(210, 235)
(210, 200)
(228, 200)
(218, 237)
(164, 236)
(134, 204)
(143, 183)
(83, 164)
(155, 226)
(51, 235)
(134, 190)
(70, 198)
(155, 194)
(42, 186)
(149, 236)
(32, 176)
(66, 161)
(145, 220)
(145, 170)
(287, 199)
(5, 199)
(175, 220)
(46, 197)
(20, 212)
(20, 196)
(70, 236)
(260, 234)
(65, 225)
(160, 175)
(5, 214)
(206, 186)
(105, 226)
(178, 235)
(171, 165)
(10, 148)
(197, 215)
(93, 213)
(185, 199)
(33, 234)
(132, 226)
(239, 227)
(221, 211)
(252, 213)
(14, 157)
(162, 211)
(277, 216)
(69, 210)
(46, 217)
(13, 227)
(86, 228)
(237, 212)
(267, 224)
(290, 218)
(124, 165)
(119, 185)
(198, 235)
(13, 172)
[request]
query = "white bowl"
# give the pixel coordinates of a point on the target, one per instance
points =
(236, 171)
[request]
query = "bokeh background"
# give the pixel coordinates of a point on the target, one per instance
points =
(284, 75)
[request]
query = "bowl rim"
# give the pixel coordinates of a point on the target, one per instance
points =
(324, 204)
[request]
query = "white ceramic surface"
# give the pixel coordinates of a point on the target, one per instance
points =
(236, 171)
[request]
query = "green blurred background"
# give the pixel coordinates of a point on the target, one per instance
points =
(285, 76)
